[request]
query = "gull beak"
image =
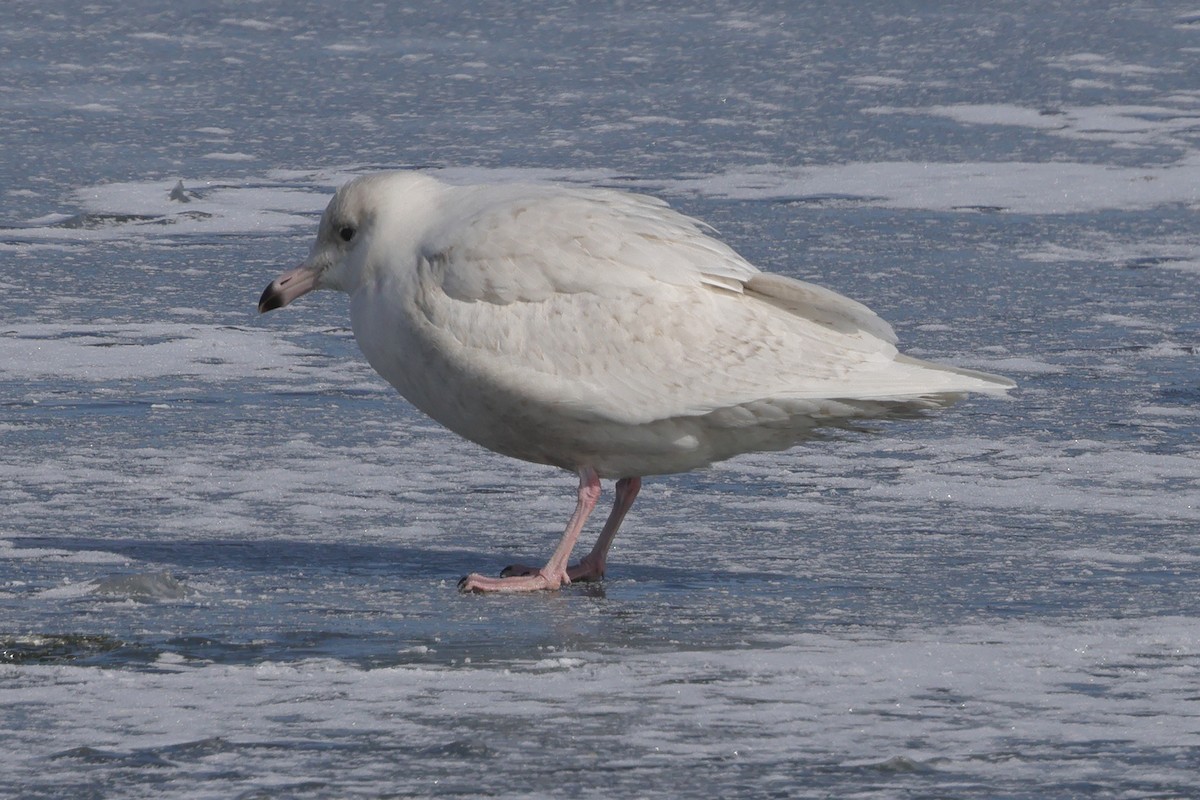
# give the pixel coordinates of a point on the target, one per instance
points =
(287, 287)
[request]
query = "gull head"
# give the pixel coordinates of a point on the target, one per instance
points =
(352, 220)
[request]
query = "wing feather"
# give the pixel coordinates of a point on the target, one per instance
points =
(514, 243)
(664, 321)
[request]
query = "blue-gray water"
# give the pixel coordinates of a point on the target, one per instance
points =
(228, 551)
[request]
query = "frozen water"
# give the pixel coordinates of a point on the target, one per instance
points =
(228, 551)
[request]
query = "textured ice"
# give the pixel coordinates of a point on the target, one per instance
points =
(1125, 125)
(99, 352)
(141, 586)
(272, 203)
(228, 552)
(931, 704)
(1018, 187)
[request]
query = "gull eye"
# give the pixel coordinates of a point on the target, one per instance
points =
(346, 233)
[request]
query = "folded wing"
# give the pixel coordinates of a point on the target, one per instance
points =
(665, 322)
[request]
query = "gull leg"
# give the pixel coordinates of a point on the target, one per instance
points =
(591, 566)
(554, 574)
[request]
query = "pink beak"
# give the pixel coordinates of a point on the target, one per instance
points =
(287, 287)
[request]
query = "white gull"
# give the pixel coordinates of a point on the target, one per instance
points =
(600, 332)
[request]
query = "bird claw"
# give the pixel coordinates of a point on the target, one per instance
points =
(537, 582)
(586, 571)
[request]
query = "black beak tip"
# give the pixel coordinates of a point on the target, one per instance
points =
(271, 299)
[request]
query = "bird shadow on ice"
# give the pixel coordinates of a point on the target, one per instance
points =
(269, 556)
(385, 568)
(378, 605)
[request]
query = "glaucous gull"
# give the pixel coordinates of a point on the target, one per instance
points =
(597, 331)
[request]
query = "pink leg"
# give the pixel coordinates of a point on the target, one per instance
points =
(554, 574)
(591, 567)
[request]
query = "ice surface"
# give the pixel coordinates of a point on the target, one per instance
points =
(1018, 187)
(1132, 125)
(142, 586)
(938, 708)
(228, 552)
